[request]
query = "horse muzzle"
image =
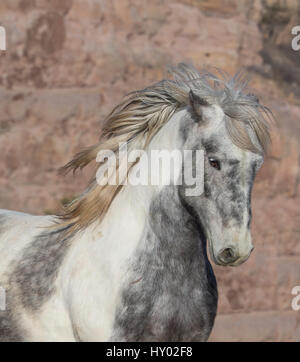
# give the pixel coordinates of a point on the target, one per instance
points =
(230, 256)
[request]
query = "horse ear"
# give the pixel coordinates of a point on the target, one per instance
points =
(197, 103)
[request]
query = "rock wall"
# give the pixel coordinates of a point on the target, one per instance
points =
(68, 62)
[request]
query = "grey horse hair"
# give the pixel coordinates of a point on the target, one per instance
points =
(138, 118)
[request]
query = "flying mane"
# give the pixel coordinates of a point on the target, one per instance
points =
(138, 118)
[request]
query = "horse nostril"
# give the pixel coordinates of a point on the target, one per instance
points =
(227, 255)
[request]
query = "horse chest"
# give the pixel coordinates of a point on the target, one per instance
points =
(170, 303)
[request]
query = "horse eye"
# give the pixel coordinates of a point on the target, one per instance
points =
(215, 163)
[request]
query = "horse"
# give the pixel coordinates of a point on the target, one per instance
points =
(129, 262)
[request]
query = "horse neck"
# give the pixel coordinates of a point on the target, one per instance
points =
(128, 214)
(175, 232)
(168, 276)
(134, 211)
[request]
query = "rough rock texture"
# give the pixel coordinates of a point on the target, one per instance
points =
(69, 61)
